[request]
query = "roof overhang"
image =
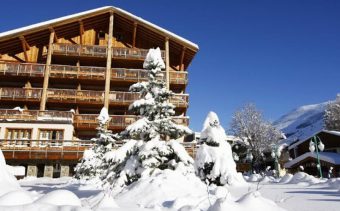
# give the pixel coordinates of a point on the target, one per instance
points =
(90, 13)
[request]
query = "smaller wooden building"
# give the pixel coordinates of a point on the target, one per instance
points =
(330, 157)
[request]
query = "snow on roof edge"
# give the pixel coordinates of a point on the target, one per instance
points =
(325, 156)
(336, 133)
(56, 20)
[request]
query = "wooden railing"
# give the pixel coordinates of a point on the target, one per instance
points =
(29, 94)
(79, 50)
(56, 149)
(22, 69)
(34, 115)
(116, 121)
(44, 149)
(80, 96)
(99, 51)
(84, 72)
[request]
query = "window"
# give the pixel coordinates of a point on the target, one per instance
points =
(18, 136)
(51, 135)
(101, 35)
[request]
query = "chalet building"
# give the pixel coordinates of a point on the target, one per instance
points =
(301, 156)
(55, 76)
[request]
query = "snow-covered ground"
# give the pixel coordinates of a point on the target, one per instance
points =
(301, 193)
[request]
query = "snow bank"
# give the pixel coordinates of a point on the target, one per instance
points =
(17, 197)
(251, 201)
(16, 170)
(60, 197)
(7, 181)
(334, 183)
(302, 178)
(286, 178)
(254, 178)
(169, 189)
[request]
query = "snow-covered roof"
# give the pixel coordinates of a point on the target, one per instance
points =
(330, 157)
(56, 21)
(300, 141)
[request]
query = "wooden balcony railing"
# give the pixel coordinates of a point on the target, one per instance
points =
(99, 51)
(28, 94)
(75, 96)
(116, 121)
(79, 50)
(34, 115)
(84, 72)
(80, 96)
(22, 69)
(56, 149)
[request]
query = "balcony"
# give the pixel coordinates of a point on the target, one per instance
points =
(80, 96)
(98, 51)
(84, 72)
(78, 50)
(116, 122)
(33, 115)
(22, 69)
(21, 94)
(55, 149)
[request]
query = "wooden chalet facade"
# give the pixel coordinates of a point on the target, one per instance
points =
(58, 74)
(301, 156)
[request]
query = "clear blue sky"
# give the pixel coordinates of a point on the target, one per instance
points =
(276, 54)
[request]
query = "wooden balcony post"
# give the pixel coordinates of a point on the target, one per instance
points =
(47, 72)
(108, 63)
(134, 35)
(81, 32)
(167, 63)
(181, 68)
(25, 47)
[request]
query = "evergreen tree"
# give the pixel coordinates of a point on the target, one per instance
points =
(92, 165)
(146, 149)
(214, 162)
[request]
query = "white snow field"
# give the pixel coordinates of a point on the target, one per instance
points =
(172, 191)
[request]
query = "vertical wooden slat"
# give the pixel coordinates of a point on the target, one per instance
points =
(47, 72)
(81, 32)
(24, 45)
(167, 63)
(182, 60)
(134, 35)
(108, 63)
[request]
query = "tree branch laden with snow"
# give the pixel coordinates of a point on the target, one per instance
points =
(146, 149)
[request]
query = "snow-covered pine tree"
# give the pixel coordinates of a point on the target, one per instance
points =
(214, 161)
(332, 115)
(147, 150)
(92, 165)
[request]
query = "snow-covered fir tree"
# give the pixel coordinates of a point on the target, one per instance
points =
(332, 115)
(92, 163)
(214, 162)
(150, 144)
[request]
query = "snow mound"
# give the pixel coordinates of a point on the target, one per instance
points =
(254, 178)
(302, 178)
(18, 197)
(286, 178)
(106, 202)
(7, 181)
(251, 201)
(334, 183)
(166, 189)
(60, 197)
(267, 179)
